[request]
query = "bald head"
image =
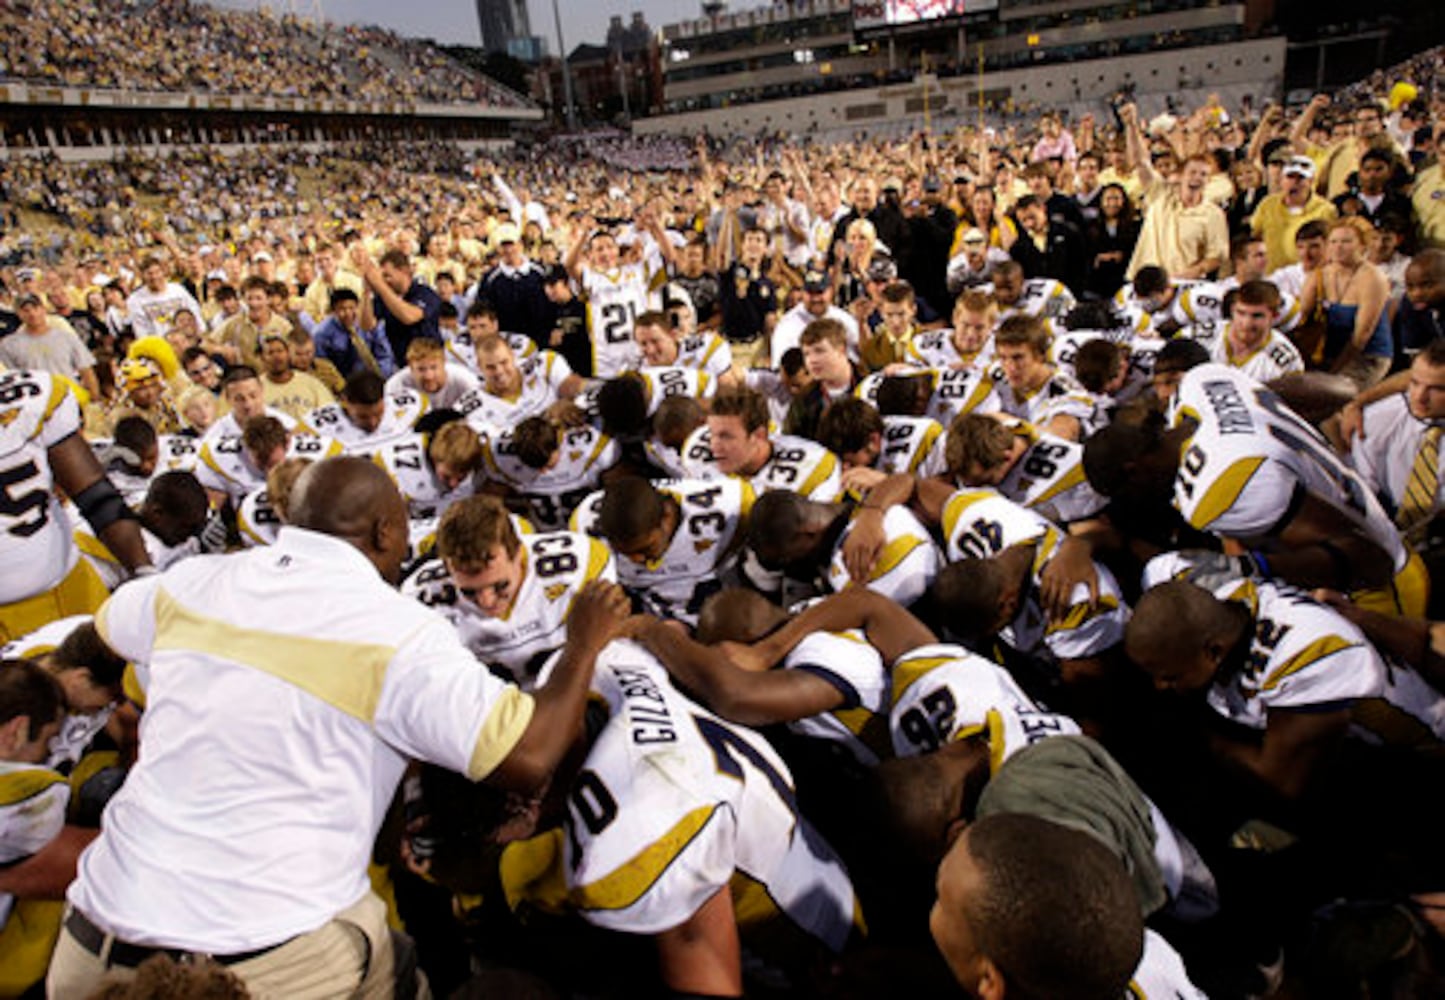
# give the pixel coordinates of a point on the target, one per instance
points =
(1170, 620)
(354, 500)
(738, 615)
(343, 497)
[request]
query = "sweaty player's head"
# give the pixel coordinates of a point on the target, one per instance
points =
(778, 529)
(1179, 634)
(175, 507)
(637, 520)
(971, 597)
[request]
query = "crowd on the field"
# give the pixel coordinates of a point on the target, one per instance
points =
(966, 492)
(178, 45)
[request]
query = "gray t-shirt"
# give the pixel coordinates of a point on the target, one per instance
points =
(58, 350)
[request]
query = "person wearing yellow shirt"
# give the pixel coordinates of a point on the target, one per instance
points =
(1280, 215)
(1183, 232)
(1428, 197)
(293, 392)
(1341, 159)
(330, 276)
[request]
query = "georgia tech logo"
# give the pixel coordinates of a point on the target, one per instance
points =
(555, 591)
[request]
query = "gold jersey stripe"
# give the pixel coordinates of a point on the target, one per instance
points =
(958, 504)
(631, 880)
(820, 474)
(1080, 613)
(1224, 491)
(893, 554)
(1325, 645)
(21, 786)
(907, 672)
(304, 661)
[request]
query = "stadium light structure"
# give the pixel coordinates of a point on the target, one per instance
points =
(566, 71)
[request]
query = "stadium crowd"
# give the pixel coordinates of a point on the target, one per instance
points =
(169, 45)
(997, 561)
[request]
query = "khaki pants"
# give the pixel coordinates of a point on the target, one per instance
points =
(350, 956)
(747, 352)
(80, 593)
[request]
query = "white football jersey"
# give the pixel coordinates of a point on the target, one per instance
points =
(847, 662)
(797, 464)
(980, 524)
(943, 693)
(1126, 299)
(1044, 297)
(1142, 350)
(1275, 357)
(672, 802)
(1161, 974)
(1302, 655)
(935, 349)
(658, 383)
(1393, 703)
(37, 411)
(1239, 472)
(711, 516)
(256, 519)
(555, 567)
(33, 801)
(178, 453)
(403, 409)
(706, 352)
(913, 445)
(553, 494)
(1049, 479)
(614, 300)
(542, 376)
(225, 467)
(1203, 303)
(955, 391)
(405, 460)
(906, 566)
(1059, 395)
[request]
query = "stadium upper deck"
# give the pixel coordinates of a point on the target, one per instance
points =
(175, 45)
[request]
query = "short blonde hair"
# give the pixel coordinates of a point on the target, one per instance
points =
(457, 445)
(975, 301)
(281, 480)
(422, 348)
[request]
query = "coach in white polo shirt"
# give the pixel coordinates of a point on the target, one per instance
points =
(273, 742)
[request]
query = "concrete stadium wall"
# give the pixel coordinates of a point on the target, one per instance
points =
(1254, 67)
